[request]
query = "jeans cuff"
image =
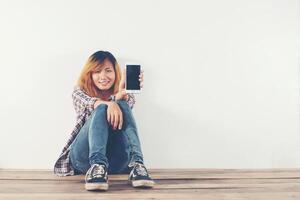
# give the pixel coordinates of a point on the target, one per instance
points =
(100, 163)
(135, 160)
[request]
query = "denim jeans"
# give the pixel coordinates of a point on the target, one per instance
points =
(97, 142)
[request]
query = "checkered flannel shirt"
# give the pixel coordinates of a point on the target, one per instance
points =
(84, 105)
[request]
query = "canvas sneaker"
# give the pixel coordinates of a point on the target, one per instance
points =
(96, 178)
(139, 176)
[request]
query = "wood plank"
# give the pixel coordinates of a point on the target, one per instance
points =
(35, 186)
(164, 174)
(211, 184)
(191, 195)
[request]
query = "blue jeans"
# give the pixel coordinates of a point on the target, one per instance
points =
(97, 142)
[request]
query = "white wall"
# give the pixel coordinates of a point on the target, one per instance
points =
(221, 78)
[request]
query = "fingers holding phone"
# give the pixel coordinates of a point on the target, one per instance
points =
(141, 79)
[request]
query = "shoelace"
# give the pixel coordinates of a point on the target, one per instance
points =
(97, 171)
(141, 170)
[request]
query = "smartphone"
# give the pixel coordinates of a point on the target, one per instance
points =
(132, 83)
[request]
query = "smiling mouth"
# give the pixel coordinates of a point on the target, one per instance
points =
(104, 83)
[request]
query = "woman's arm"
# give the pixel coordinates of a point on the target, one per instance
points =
(129, 98)
(99, 101)
(83, 102)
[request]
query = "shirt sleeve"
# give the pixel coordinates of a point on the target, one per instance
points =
(131, 100)
(82, 102)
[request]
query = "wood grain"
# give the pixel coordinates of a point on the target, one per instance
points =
(211, 184)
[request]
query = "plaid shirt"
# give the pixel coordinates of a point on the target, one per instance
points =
(84, 105)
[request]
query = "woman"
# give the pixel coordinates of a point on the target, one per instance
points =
(105, 139)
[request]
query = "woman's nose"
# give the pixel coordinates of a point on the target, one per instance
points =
(102, 76)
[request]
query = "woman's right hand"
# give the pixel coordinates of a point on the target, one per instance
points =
(114, 115)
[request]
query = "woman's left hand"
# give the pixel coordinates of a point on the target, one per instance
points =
(122, 92)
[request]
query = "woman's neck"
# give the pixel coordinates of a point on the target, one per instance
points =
(104, 95)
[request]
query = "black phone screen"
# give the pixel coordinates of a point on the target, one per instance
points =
(132, 77)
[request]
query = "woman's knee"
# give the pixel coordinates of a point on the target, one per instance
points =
(123, 104)
(100, 110)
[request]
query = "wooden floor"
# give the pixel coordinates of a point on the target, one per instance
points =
(208, 184)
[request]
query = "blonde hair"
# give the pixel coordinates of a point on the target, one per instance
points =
(93, 64)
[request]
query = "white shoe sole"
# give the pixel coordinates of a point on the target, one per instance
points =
(143, 183)
(96, 186)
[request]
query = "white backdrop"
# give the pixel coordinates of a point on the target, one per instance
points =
(221, 83)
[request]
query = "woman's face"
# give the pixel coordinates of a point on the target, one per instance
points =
(105, 78)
